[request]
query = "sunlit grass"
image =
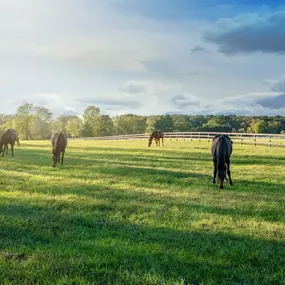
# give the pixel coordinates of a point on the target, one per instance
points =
(118, 212)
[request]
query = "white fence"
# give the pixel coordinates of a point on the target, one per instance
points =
(242, 138)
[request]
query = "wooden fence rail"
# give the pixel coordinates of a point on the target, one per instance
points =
(242, 138)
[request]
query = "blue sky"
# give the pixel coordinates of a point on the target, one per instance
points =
(144, 57)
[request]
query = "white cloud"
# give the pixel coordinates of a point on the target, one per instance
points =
(65, 54)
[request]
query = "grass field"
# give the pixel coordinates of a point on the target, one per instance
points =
(118, 212)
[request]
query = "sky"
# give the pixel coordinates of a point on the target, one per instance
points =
(144, 57)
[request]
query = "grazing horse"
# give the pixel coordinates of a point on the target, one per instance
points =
(221, 152)
(59, 143)
(157, 135)
(9, 137)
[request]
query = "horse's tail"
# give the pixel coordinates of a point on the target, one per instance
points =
(57, 141)
(221, 153)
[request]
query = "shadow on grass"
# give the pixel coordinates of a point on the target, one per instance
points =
(129, 168)
(98, 249)
(151, 196)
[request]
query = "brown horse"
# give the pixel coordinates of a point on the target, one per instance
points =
(157, 135)
(221, 152)
(9, 137)
(59, 144)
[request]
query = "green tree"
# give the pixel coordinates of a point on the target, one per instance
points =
(257, 126)
(90, 118)
(181, 123)
(103, 126)
(129, 124)
(61, 122)
(41, 127)
(74, 127)
(23, 120)
(216, 124)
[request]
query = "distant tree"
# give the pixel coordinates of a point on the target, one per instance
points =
(217, 124)
(161, 122)
(23, 120)
(41, 127)
(90, 118)
(257, 126)
(181, 123)
(165, 123)
(152, 123)
(61, 123)
(129, 124)
(104, 126)
(74, 127)
(273, 127)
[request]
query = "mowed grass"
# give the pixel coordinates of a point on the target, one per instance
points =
(118, 212)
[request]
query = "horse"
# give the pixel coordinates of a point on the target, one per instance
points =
(221, 151)
(157, 135)
(9, 137)
(59, 144)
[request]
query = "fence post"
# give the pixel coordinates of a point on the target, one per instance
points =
(241, 139)
(208, 137)
(254, 140)
(199, 137)
(269, 141)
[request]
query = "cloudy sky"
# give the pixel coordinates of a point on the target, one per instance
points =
(144, 57)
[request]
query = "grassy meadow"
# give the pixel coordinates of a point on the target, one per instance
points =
(118, 212)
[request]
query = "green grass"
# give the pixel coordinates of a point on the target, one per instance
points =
(118, 212)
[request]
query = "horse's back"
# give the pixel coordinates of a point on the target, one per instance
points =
(219, 138)
(158, 134)
(9, 135)
(59, 140)
(54, 139)
(13, 134)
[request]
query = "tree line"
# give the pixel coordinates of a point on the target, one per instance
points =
(37, 122)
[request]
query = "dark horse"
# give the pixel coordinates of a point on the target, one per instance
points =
(221, 152)
(59, 143)
(9, 137)
(157, 135)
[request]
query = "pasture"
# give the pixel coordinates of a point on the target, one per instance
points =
(118, 212)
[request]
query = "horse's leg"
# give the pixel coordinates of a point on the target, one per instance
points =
(62, 156)
(162, 141)
(6, 149)
(215, 170)
(12, 149)
(3, 150)
(229, 171)
(226, 172)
